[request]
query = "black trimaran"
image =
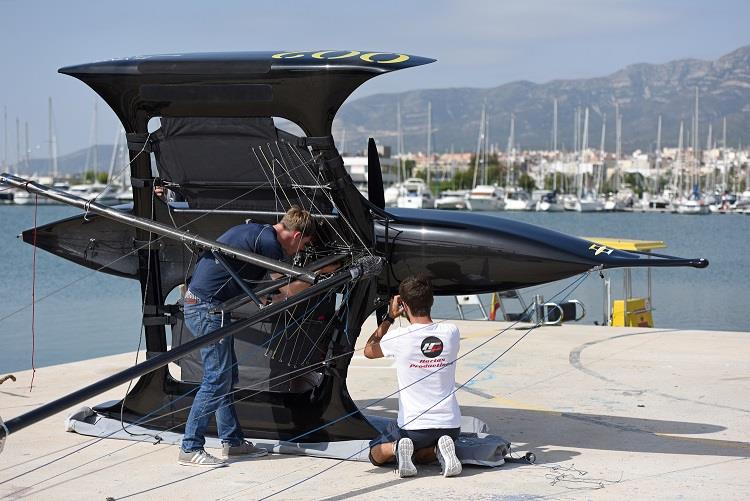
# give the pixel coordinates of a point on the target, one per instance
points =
(218, 149)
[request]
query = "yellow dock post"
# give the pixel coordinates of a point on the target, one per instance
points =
(630, 312)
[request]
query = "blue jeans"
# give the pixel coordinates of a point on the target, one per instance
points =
(219, 374)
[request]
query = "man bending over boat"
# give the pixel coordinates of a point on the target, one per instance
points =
(429, 418)
(210, 286)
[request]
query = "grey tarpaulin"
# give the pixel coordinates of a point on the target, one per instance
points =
(474, 446)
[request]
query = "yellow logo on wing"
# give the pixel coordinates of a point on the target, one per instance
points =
(369, 57)
(598, 249)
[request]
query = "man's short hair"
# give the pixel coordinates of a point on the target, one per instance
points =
(297, 219)
(416, 291)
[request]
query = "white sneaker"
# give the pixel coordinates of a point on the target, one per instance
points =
(404, 452)
(200, 458)
(446, 454)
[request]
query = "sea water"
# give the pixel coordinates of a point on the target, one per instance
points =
(80, 314)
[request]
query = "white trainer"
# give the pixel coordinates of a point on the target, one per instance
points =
(404, 452)
(446, 454)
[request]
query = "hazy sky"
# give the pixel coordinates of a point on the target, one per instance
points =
(477, 44)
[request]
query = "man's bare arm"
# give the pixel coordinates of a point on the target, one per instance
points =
(372, 348)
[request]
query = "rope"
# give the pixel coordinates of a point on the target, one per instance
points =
(282, 331)
(487, 366)
(134, 251)
(33, 293)
(145, 419)
(141, 335)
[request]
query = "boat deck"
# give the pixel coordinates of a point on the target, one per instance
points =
(609, 412)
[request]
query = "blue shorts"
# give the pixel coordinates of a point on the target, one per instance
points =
(421, 438)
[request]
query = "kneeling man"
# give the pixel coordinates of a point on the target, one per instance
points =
(429, 418)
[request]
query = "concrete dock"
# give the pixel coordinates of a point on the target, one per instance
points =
(609, 412)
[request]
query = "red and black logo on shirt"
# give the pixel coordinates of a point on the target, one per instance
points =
(432, 347)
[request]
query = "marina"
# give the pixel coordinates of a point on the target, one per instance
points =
(315, 280)
(711, 301)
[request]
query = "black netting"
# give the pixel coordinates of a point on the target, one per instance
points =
(282, 354)
(235, 163)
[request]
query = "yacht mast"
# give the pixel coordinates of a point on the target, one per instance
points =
(576, 131)
(657, 161)
(618, 146)
(711, 181)
(554, 128)
(696, 144)
(27, 153)
(680, 174)
(584, 147)
(5, 138)
(554, 143)
(96, 142)
(602, 154)
(725, 163)
(486, 147)
(429, 141)
(511, 178)
(480, 142)
(52, 142)
(399, 142)
(18, 144)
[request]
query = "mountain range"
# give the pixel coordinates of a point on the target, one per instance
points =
(642, 92)
(72, 164)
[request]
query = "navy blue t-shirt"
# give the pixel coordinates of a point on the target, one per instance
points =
(211, 282)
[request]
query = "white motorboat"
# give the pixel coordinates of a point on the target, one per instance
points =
(415, 194)
(517, 199)
(451, 200)
(589, 203)
(485, 198)
(104, 194)
(692, 206)
(549, 202)
(391, 195)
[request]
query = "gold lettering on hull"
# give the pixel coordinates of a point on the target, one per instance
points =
(329, 55)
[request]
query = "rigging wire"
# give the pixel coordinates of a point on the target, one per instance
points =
(141, 335)
(329, 223)
(144, 419)
(33, 292)
(129, 253)
(576, 283)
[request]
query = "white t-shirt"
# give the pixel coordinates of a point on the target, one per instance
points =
(425, 366)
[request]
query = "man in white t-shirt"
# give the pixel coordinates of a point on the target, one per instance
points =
(429, 419)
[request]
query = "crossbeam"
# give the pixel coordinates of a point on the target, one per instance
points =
(158, 228)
